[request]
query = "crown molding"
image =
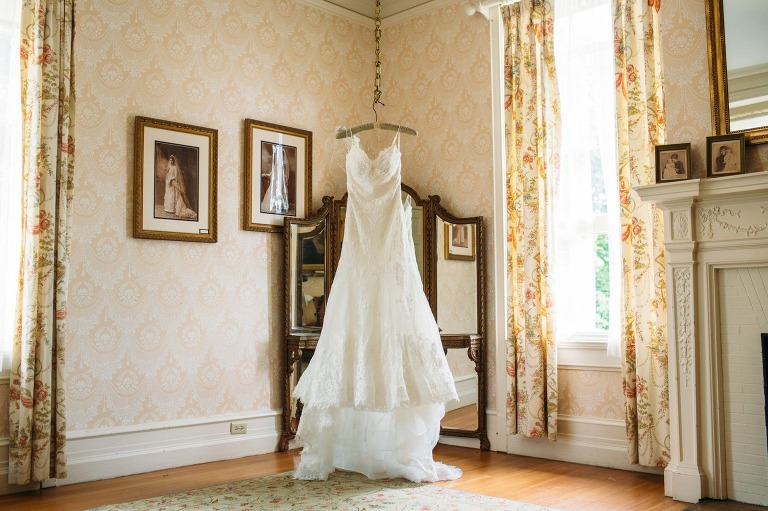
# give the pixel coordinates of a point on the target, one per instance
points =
(339, 11)
(396, 11)
(418, 10)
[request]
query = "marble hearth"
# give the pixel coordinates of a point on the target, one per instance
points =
(716, 239)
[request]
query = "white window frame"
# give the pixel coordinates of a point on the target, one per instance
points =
(6, 341)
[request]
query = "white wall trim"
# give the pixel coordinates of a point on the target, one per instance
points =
(498, 315)
(589, 441)
(339, 11)
(114, 452)
(466, 388)
(416, 11)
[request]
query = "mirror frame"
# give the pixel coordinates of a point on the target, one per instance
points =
(718, 77)
(317, 219)
(297, 342)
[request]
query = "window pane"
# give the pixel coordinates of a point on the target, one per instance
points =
(586, 197)
(602, 282)
(10, 174)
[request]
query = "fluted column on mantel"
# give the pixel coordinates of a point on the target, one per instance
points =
(683, 476)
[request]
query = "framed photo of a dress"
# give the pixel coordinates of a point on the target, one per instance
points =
(460, 241)
(174, 189)
(278, 175)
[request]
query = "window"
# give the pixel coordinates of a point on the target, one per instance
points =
(585, 230)
(10, 177)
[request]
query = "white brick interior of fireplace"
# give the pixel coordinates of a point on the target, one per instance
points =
(743, 316)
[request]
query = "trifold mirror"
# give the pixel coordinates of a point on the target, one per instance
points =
(449, 254)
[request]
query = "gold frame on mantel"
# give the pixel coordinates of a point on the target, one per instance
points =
(718, 77)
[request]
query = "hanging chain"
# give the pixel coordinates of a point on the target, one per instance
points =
(377, 82)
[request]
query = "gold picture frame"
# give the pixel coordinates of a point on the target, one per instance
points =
(459, 241)
(278, 175)
(174, 195)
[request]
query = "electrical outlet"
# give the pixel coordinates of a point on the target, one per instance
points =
(238, 428)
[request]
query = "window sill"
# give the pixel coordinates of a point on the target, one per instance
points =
(586, 351)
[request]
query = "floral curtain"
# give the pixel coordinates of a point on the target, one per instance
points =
(37, 423)
(532, 109)
(640, 126)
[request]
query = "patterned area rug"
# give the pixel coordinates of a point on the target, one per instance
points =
(343, 491)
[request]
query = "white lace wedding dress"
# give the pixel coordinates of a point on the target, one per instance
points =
(376, 388)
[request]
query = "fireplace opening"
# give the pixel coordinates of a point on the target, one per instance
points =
(764, 344)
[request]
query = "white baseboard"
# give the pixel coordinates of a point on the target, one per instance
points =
(584, 440)
(466, 388)
(114, 452)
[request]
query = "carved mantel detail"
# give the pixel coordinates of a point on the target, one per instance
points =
(680, 223)
(716, 216)
(684, 319)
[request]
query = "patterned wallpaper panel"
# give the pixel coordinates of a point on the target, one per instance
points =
(589, 393)
(165, 330)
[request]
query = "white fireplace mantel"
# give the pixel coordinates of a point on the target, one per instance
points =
(709, 225)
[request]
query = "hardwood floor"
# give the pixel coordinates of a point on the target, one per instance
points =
(461, 418)
(565, 486)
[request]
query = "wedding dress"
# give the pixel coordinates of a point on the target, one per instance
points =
(376, 388)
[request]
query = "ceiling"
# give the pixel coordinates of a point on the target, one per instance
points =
(368, 7)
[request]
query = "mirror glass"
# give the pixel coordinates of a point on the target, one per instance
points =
(745, 24)
(307, 276)
(457, 288)
(456, 272)
(417, 228)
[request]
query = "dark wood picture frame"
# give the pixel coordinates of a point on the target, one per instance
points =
(673, 162)
(726, 155)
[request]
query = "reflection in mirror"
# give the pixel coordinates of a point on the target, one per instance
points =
(307, 276)
(746, 40)
(457, 313)
(738, 65)
(456, 278)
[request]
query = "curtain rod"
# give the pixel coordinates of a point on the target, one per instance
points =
(483, 6)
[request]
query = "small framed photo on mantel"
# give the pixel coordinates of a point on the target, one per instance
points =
(278, 175)
(174, 187)
(673, 162)
(726, 155)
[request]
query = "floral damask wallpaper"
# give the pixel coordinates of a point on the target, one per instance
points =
(167, 330)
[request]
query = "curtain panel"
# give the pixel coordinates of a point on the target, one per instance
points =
(532, 115)
(640, 126)
(37, 422)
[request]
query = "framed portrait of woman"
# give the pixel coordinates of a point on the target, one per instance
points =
(175, 168)
(725, 155)
(673, 162)
(278, 175)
